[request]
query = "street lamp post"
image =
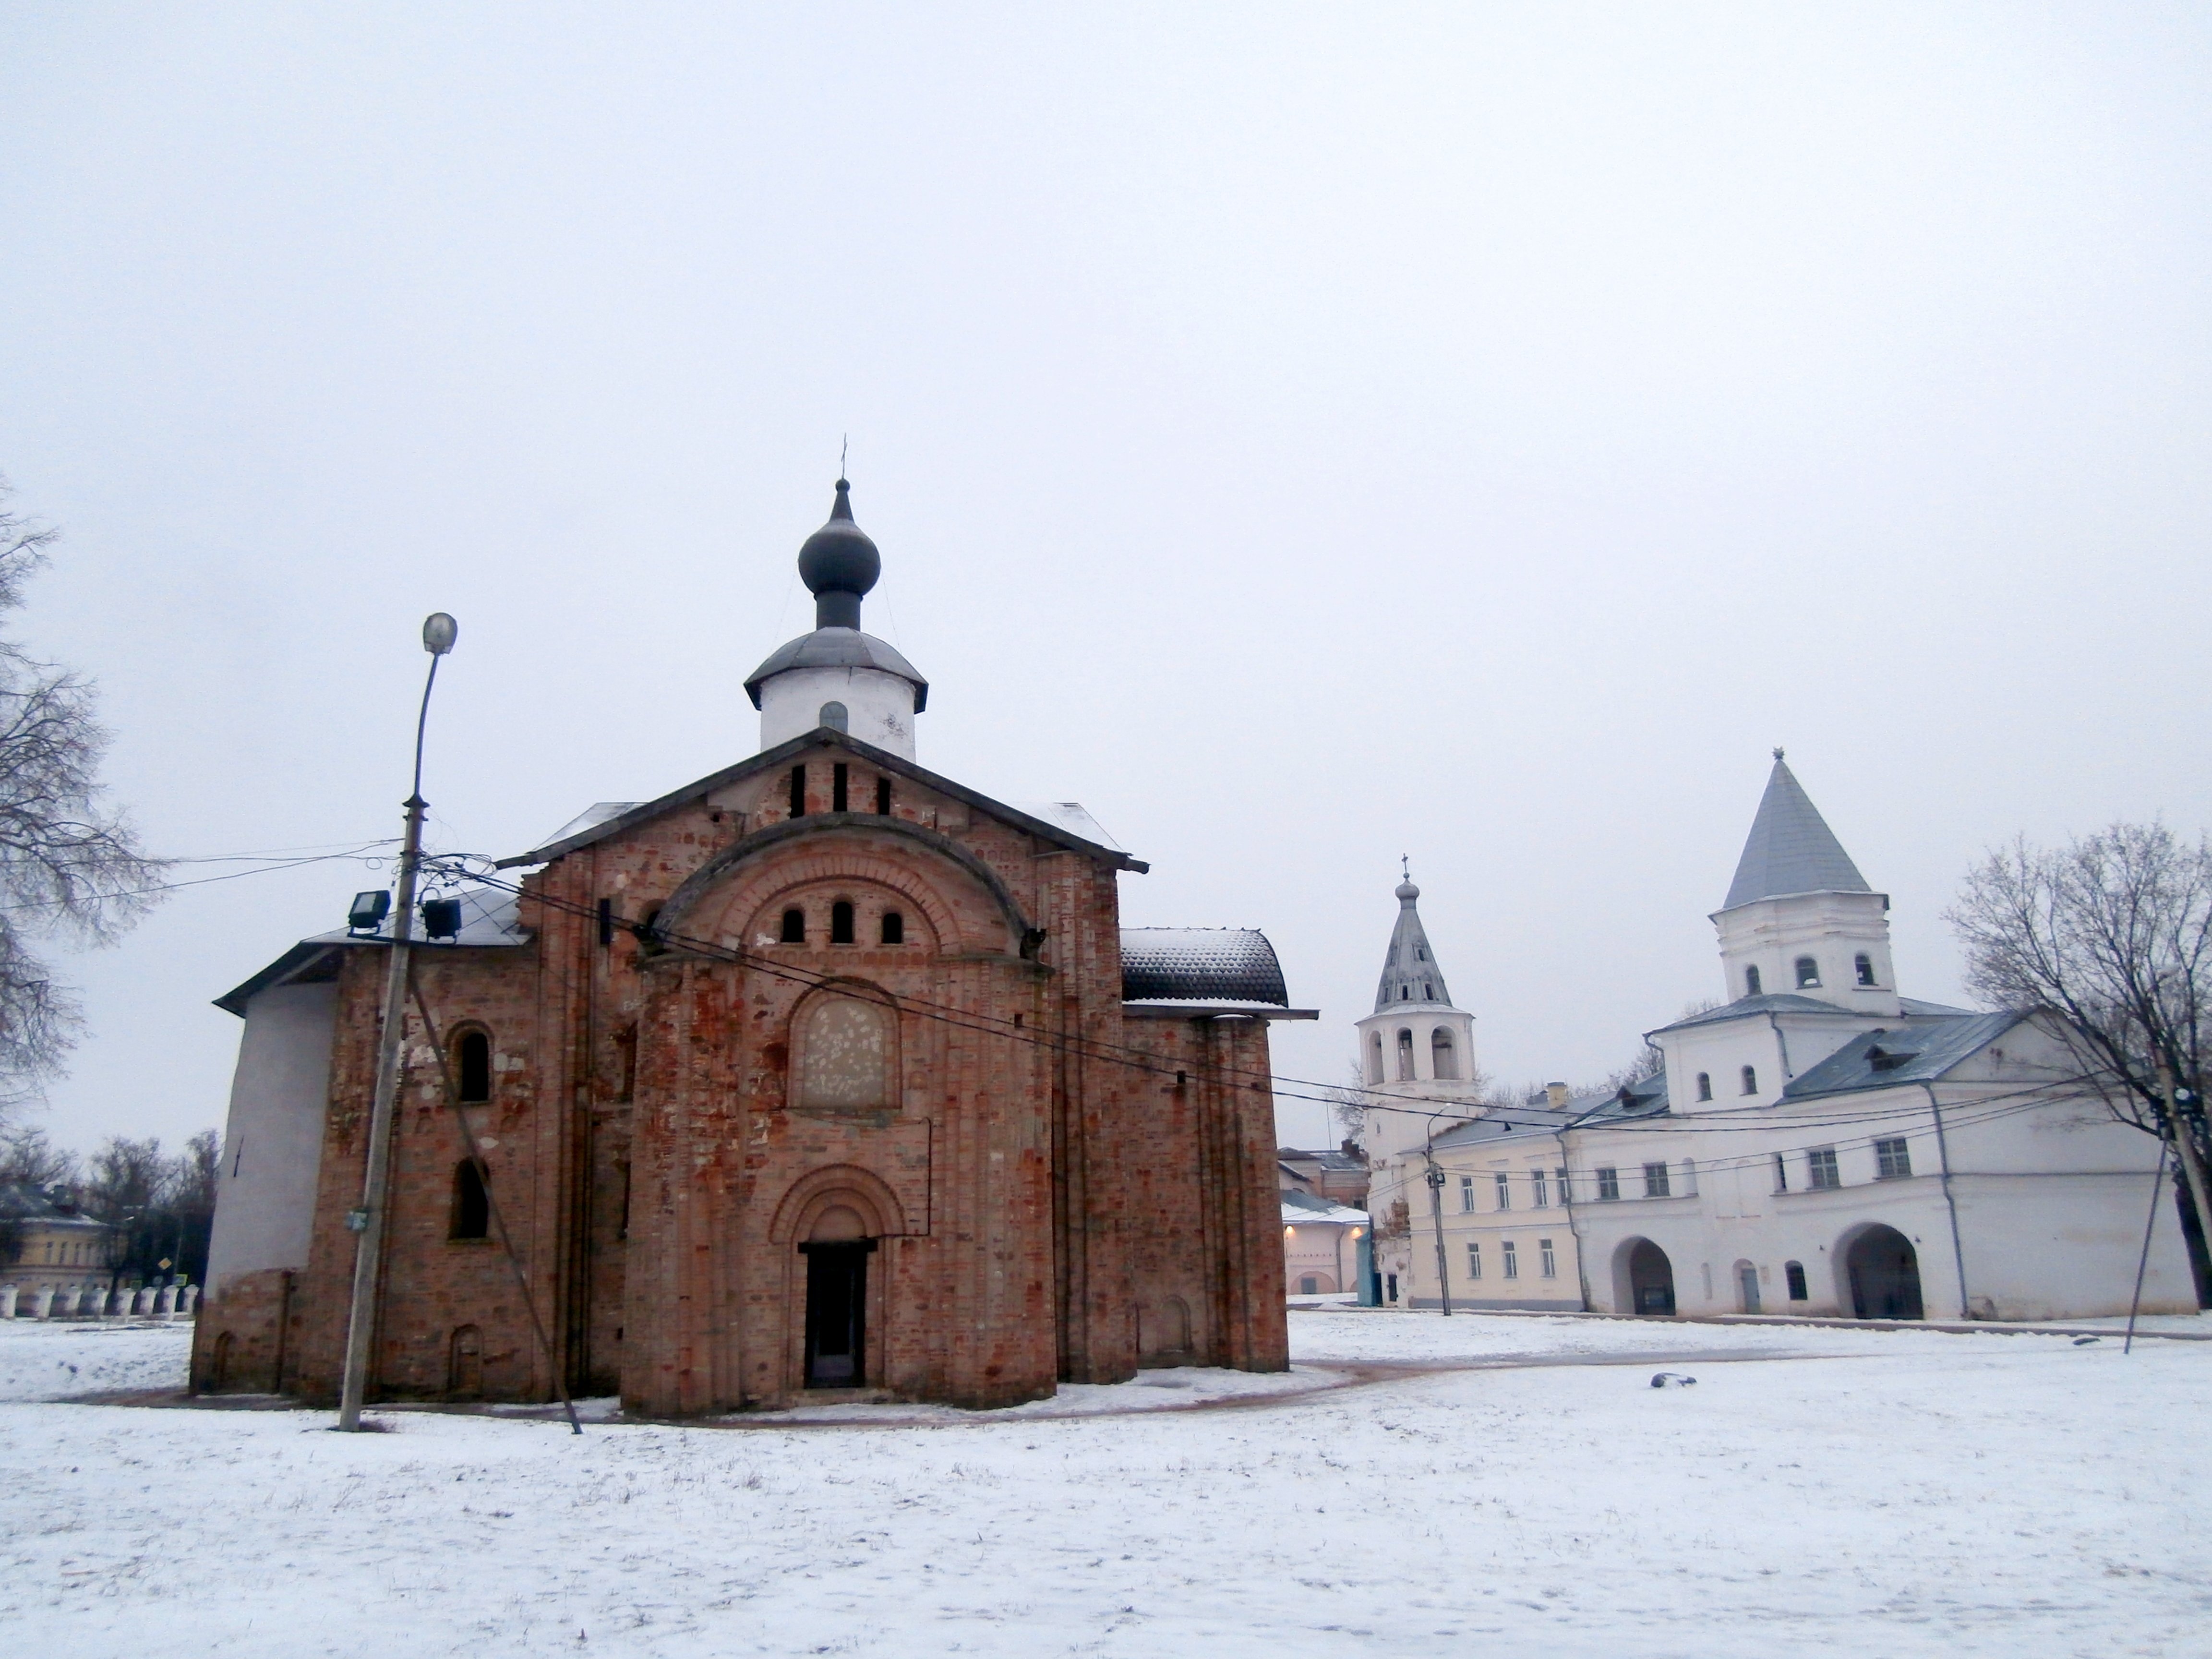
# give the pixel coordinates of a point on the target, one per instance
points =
(367, 1222)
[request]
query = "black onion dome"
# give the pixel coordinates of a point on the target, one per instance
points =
(839, 558)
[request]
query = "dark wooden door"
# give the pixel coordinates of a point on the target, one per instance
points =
(836, 1314)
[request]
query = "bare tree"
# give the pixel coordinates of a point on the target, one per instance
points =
(69, 866)
(2111, 935)
(29, 1157)
(1347, 1105)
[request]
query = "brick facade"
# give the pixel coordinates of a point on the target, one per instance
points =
(1048, 1184)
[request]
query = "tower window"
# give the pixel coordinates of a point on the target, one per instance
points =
(1428, 992)
(1405, 993)
(840, 922)
(883, 797)
(798, 792)
(1442, 1063)
(1808, 972)
(1405, 1056)
(894, 928)
(838, 775)
(1704, 1085)
(472, 1061)
(794, 926)
(471, 1217)
(1374, 1057)
(1421, 953)
(1864, 963)
(833, 715)
(1751, 1079)
(1750, 981)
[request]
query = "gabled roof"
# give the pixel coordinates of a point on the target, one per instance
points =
(1914, 1051)
(823, 737)
(1790, 848)
(488, 918)
(1501, 1122)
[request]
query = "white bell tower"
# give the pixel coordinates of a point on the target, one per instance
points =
(1415, 1045)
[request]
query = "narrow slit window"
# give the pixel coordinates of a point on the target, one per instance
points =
(472, 1203)
(1781, 1172)
(1751, 1079)
(840, 777)
(473, 1067)
(1704, 1085)
(883, 797)
(894, 928)
(1750, 981)
(794, 926)
(840, 922)
(798, 792)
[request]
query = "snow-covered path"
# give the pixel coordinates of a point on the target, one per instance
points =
(1857, 1492)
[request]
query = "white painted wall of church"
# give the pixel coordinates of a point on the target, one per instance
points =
(272, 1142)
(878, 707)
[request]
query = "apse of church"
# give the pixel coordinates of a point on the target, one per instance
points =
(823, 1072)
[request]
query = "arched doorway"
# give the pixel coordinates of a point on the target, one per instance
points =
(837, 1299)
(1746, 1286)
(1649, 1278)
(1885, 1274)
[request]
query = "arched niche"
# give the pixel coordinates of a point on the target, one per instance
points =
(844, 1044)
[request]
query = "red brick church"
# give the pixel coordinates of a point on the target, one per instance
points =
(823, 1072)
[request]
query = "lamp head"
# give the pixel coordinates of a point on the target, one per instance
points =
(438, 632)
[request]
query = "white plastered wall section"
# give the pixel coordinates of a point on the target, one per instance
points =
(1491, 1227)
(1833, 929)
(878, 707)
(273, 1141)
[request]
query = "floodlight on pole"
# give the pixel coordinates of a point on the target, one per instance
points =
(438, 632)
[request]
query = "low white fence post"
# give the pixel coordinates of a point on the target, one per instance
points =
(44, 1302)
(7, 1302)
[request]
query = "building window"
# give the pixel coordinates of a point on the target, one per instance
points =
(1704, 1085)
(1561, 1172)
(798, 792)
(471, 1216)
(832, 716)
(1750, 981)
(1794, 1273)
(1751, 1079)
(1609, 1183)
(1655, 1182)
(473, 1064)
(1504, 1184)
(1421, 951)
(1892, 1160)
(1405, 1056)
(883, 797)
(1808, 973)
(1375, 1056)
(894, 928)
(1540, 1188)
(794, 926)
(1428, 992)
(1781, 1172)
(840, 922)
(1442, 1063)
(1467, 1193)
(1821, 1161)
(1512, 1260)
(1864, 964)
(1474, 1261)
(840, 774)
(1546, 1262)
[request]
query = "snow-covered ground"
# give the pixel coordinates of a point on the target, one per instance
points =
(1849, 1491)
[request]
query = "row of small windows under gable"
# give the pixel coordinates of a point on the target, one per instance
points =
(841, 784)
(1443, 1056)
(1501, 1183)
(1807, 970)
(1747, 1076)
(1508, 1258)
(891, 926)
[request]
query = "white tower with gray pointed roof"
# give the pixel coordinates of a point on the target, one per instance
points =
(1416, 1044)
(1799, 919)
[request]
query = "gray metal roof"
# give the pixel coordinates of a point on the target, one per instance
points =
(1790, 848)
(1205, 964)
(1507, 1121)
(1633, 1103)
(1410, 973)
(1914, 1051)
(1770, 1002)
(838, 647)
(489, 917)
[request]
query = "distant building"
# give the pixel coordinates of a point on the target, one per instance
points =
(47, 1242)
(1416, 1058)
(1320, 1245)
(1340, 1175)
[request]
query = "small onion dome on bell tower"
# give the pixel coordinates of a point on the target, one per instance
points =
(839, 564)
(837, 676)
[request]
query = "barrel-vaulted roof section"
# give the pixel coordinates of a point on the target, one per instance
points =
(1200, 964)
(823, 737)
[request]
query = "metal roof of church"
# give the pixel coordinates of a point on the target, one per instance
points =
(1917, 1051)
(1790, 848)
(839, 647)
(1410, 973)
(1200, 964)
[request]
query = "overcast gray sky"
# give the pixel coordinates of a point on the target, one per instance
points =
(1303, 435)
